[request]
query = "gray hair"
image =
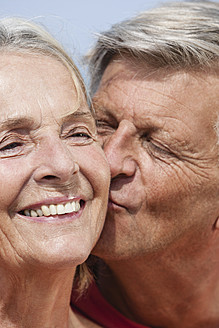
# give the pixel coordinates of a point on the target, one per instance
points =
(174, 35)
(23, 36)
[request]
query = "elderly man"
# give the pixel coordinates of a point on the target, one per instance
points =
(155, 80)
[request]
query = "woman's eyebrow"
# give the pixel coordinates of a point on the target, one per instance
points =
(13, 123)
(78, 114)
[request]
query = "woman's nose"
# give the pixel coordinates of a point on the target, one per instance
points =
(120, 152)
(55, 162)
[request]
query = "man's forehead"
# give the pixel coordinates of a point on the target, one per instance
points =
(188, 98)
(127, 67)
(121, 78)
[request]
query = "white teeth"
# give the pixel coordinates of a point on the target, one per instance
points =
(52, 209)
(27, 213)
(68, 208)
(33, 213)
(60, 209)
(45, 210)
(73, 206)
(39, 212)
(77, 206)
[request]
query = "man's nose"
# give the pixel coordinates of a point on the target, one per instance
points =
(119, 150)
(55, 162)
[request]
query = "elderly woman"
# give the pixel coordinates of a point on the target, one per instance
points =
(54, 179)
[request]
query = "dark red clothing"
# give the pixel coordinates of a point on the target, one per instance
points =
(94, 307)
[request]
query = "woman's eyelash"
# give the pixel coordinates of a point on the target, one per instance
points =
(79, 136)
(10, 146)
(79, 133)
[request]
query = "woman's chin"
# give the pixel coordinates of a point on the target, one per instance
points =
(61, 255)
(58, 253)
(54, 261)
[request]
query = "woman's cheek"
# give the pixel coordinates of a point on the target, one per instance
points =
(13, 176)
(97, 172)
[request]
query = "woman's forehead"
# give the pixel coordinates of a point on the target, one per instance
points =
(31, 84)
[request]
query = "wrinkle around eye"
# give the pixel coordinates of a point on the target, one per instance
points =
(79, 136)
(12, 149)
(10, 146)
(104, 128)
(156, 150)
(14, 145)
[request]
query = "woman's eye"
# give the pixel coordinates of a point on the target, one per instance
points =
(10, 148)
(79, 137)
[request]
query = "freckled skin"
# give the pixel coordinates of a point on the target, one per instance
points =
(158, 133)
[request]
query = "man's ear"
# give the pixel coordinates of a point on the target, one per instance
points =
(217, 223)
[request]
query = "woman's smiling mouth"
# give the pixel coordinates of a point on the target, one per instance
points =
(54, 209)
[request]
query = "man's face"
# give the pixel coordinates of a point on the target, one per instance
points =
(158, 133)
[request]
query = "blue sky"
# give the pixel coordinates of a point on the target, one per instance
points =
(74, 22)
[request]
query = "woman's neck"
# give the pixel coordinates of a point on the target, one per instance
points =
(36, 298)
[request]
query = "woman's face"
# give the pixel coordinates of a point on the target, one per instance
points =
(54, 178)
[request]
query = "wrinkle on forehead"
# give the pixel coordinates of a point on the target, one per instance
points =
(122, 93)
(182, 103)
(123, 78)
(18, 97)
(69, 110)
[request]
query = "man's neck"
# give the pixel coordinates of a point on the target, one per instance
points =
(164, 292)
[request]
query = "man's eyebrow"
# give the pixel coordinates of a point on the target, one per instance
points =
(104, 113)
(15, 123)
